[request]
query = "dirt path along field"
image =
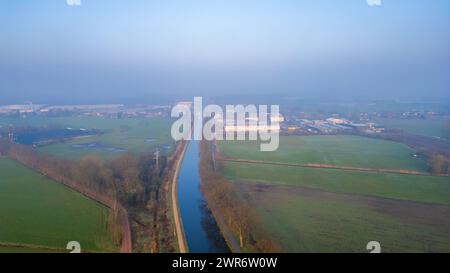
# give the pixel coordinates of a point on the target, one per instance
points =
(176, 211)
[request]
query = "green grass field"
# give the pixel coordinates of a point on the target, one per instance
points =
(314, 221)
(432, 127)
(134, 135)
(335, 150)
(329, 210)
(398, 186)
(37, 211)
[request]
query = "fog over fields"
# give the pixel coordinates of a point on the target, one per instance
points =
(147, 51)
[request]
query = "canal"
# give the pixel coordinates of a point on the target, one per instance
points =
(200, 228)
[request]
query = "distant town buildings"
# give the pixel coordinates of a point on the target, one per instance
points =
(99, 110)
(291, 122)
(330, 125)
(20, 108)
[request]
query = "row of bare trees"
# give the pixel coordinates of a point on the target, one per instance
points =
(225, 202)
(127, 183)
(439, 164)
(447, 129)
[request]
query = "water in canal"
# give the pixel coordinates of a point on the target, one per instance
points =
(200, 228)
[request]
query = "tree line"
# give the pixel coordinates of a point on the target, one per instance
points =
(128, 183)
(447, 129)
(225, 203)
(439, 164)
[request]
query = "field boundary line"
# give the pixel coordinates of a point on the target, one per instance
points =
(327, 166)
(354, 194)
(37, 247)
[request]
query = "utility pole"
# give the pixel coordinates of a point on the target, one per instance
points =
(157, 158)
(11, 135)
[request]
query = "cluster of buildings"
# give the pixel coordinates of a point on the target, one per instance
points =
(252, 124)
(401, 115)
(20, 109)
(418, 114)
(330, 125)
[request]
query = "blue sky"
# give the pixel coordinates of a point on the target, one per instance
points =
(143, 50)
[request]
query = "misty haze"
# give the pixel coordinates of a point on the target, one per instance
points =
(137, 127)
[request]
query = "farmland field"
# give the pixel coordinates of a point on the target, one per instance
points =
(37, 211)
(432, 127)
(134, 135)
(404, 187)
(334, 150)
(331, 210)
(306, 220)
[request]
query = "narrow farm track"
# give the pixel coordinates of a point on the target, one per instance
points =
(176, 210)
(327, 166)
(41, 247)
